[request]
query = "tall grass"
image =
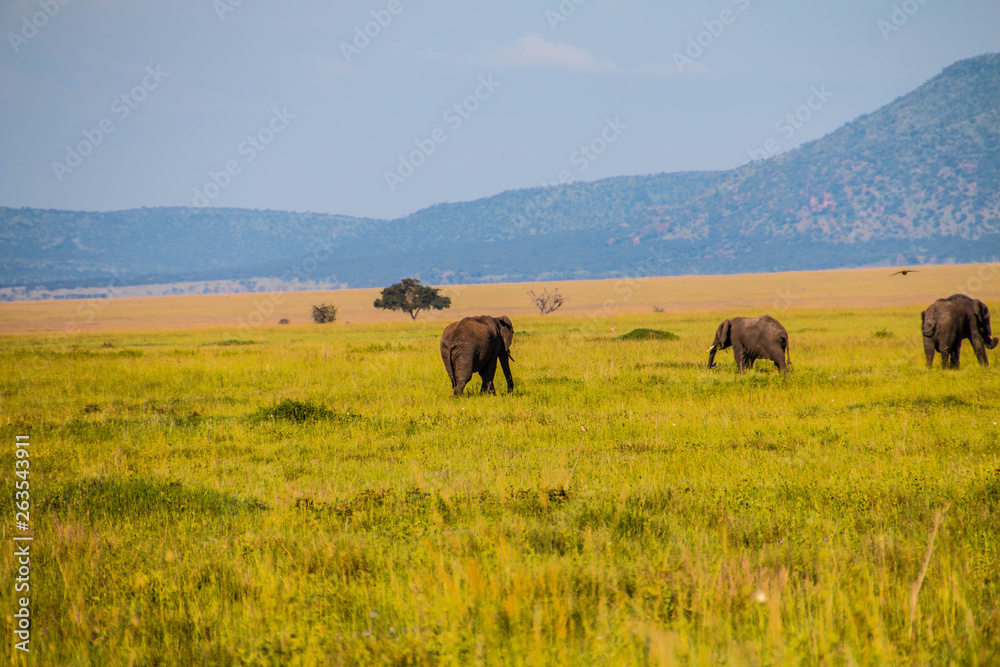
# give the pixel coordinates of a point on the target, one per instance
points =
(313, 495)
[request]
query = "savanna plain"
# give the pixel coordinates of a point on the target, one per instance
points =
(312, 494)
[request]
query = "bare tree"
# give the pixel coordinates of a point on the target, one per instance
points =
(324, 313)
(547, 302)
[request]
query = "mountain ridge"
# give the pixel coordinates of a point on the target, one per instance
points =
(915, 181)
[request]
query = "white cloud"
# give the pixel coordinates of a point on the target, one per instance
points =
(533, 51)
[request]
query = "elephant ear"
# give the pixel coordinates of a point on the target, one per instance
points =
(928, 322)
(982, 316)
(724, 332)
(506, 330)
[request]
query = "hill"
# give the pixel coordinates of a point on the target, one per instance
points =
(915, 182)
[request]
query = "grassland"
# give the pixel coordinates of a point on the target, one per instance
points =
(590, 299)
(311, 494)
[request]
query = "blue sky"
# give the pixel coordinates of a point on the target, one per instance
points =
(381, 108)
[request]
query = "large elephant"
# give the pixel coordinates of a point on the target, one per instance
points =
(752, 338)
(473, 345)
(949, 321)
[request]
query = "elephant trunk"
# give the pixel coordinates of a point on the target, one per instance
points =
(505, 365)
(992, 343)
(711, 356)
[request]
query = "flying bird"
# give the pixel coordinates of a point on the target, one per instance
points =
(903, 272)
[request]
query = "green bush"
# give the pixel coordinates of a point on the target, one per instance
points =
(648, 334)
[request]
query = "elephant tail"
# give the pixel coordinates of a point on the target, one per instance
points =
(451, 364)
(788, 354)
(448, 355)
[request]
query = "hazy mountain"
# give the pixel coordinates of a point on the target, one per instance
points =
(917, 181)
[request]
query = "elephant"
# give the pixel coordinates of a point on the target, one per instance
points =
(473, 345)
(949, 321)
(752, 338)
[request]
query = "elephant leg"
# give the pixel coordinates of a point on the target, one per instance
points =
(741, 358)
(778, 357)
(929, 350)
(954, 353)
(487, 372)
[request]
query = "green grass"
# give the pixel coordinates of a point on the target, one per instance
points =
(313, 495)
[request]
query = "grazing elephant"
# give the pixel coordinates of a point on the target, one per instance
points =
(752, 338)
(473, 345)
(949, 321)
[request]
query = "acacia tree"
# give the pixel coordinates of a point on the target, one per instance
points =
(547, 302)
(409, 296)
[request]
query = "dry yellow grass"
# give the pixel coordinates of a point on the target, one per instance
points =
(861, 288)
(314, 495)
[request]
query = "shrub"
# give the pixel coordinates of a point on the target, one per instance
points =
(648, 334)
(295, 411)
(324, 313)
